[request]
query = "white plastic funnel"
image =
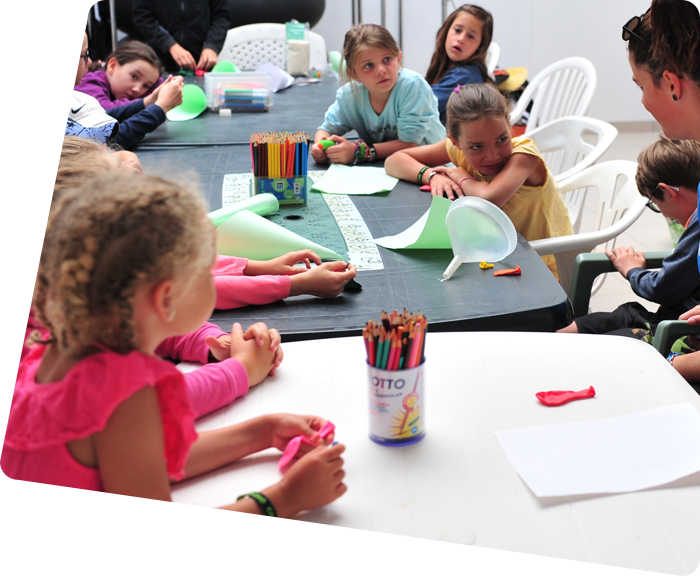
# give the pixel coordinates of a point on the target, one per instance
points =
(479, 230)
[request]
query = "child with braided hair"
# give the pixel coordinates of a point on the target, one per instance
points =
(93, 407)
(39, 175)
(53, 51)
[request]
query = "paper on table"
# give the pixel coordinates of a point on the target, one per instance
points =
(194, 102)
(261, 204)
(610, 455)
(248, 235)
(280, 79)
(429, 232)
(341, 179)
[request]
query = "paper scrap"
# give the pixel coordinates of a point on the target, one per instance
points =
(429, 232)
(355, 180)
(194, 102)
(610, 455)
(485, 265)
(280, 79)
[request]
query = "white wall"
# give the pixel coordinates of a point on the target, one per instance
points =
(531, 33)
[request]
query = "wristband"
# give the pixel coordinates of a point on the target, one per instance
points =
(420, 175)
(357, 154)
(372, 154)
(671, 357)
(430, 176)
(463, 179)
(262, 501)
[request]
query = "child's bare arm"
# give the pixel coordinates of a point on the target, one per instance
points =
(406, 163)
(688, 366)
(386, 149)
(130, 454)
(520, 169)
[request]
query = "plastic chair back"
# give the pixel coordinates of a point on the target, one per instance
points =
(619, 205)
(565, 147)
(564, 88)
(492, 54)
(254, 44)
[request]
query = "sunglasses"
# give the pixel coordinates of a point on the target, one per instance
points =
(85, 56)
(628, 29)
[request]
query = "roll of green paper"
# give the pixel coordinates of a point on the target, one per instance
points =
(261, 204)
(224, 66)
(247, 235)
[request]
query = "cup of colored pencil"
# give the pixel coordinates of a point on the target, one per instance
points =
(280, 166)
(395, 348)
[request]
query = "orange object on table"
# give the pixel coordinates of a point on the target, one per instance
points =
(508, 272)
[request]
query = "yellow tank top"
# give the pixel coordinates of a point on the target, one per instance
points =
(536, 211)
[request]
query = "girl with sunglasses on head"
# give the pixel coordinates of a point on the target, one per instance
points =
(53, 51)
(664, 54)
(460, 53)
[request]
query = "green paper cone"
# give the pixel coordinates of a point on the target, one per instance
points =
(248, 235)
(194, 102)
(429, 233)
(261, 204)
(225, 66)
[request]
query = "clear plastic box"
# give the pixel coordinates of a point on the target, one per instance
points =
(238, 91)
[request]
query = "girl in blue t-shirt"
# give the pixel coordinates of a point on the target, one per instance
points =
(389, 107)
(460, 53)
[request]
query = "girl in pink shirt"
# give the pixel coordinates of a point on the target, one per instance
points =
(93, 406)
(40, 172)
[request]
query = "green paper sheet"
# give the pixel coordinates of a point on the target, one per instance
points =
(194, 102)
(224, 66)
(341, 179)
(248, 235)
(429, 232)
(261, 204)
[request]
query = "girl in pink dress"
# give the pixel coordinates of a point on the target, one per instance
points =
(126, 264)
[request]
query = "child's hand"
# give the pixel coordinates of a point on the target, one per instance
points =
(283, 265)
(324, 281)
(692, 316)
(624, 259)
(343, 152)
(284, 427)
(318, 154)
(170, 93)
(241, 346)
(316, 479)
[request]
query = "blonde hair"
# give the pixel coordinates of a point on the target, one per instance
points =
(47, 35)
(105, 239)
(473, 102)
(668, 161)
(37, 177)
(364, 36)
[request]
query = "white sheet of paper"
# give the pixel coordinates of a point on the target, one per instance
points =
(610, 455)
(341, 179)
(280, 79)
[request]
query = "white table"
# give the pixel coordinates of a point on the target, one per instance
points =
(457, 483)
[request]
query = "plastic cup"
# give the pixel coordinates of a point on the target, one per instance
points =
(396, 405)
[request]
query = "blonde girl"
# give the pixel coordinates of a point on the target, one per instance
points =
(391, 108)
(460, 53)
(127, 264)
(509, 172)
(38, 176)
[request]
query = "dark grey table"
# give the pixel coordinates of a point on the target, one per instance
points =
(473, 299)
(296, 109)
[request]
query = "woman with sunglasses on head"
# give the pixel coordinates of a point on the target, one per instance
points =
(53, 50)
(664, 54)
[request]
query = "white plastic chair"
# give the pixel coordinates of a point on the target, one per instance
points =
(492, 54)
(564, 88)
(566, 152)
(254, 44)
(618, 207)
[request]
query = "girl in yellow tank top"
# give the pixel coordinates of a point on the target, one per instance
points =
(509, 172)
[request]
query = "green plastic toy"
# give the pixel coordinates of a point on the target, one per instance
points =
(324, 144)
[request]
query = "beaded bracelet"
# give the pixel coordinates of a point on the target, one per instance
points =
(420, 175)
(671, 357)
(262, 501)
(357, 154)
